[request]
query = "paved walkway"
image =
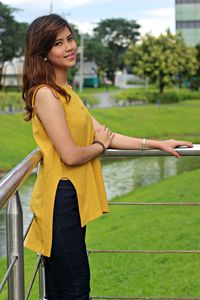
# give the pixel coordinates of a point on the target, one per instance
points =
(105, 96)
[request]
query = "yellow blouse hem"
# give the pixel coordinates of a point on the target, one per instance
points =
(47, 252)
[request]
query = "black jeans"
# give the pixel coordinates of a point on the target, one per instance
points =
(67, 270)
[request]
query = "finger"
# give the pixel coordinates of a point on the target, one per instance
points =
(184, 143)
(176, 154)
(112, 136)
(108, 131)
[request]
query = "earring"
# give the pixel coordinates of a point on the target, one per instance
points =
(45, 59)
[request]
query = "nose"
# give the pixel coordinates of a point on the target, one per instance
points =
(68, 46)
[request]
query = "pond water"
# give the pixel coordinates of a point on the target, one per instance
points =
(121, 177)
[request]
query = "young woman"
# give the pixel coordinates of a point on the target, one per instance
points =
(69, 190)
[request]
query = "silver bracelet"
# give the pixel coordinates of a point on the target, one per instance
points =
(143, 144)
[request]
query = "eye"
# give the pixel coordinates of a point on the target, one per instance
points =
(70, 38)
(58, 43)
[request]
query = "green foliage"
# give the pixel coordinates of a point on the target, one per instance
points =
(14, 35)
(93, 90)
(117, 32)
(129, 97)
(90, 100)
(132, 96)
(76, 32)
(195, 81)
(164, 59)
(108, 46)
(11, 101)
(94, 50)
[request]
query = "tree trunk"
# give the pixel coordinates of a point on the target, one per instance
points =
(161, 87)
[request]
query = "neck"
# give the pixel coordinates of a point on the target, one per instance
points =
(61, 76)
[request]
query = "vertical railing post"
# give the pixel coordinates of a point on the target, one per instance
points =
(42, 287)
(15, 248)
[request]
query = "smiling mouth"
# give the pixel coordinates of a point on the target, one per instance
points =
(71, 56)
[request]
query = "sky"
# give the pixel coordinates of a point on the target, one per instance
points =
(154, 16)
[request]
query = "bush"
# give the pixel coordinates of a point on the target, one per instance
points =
(89, 99)
(167, 97)
(129, 97)
(132, 96)
(189, 95)
(11, 101)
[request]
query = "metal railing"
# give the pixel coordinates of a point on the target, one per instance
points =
(9, 186)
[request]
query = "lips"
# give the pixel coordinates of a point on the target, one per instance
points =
(70, 56)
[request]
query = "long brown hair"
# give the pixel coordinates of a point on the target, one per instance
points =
(40, 38)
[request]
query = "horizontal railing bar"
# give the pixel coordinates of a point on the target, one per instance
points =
(11, 182)
(183, 151)
(143, 251)
(15, 258)
(157, 203)
(33, 278)
(144, 298)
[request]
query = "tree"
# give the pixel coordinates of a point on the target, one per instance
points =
(162, 59)
(195, 81)
(13, 34)
(95, 51)
(110, 42)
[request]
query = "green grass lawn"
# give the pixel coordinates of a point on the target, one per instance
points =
(16, 140)
(149, 228)
(168, 121)
(144, 228)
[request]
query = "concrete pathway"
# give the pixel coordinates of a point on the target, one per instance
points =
(105, 97)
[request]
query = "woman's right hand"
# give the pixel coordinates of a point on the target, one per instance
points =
(104, 135)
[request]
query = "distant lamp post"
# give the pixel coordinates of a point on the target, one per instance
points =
(81, 70)
(2, 30)
(51, 7)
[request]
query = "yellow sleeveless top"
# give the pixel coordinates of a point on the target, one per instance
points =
(86, 178)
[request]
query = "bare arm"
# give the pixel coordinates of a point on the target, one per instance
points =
(121, 141)
(51, 114)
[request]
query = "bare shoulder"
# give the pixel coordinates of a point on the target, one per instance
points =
(47, 104)
(44, 93)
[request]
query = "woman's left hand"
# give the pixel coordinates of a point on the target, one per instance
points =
(170, 145)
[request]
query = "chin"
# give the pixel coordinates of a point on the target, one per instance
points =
(72, 64)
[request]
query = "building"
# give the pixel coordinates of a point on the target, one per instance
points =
(12, 72)
(90, 78)
(188, 20)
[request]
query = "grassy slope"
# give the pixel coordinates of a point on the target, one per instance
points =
(150, 121)
(144, 227)
(136, 227)
(16, 140)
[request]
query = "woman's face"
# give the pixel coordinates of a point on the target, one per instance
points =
(63, 53)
